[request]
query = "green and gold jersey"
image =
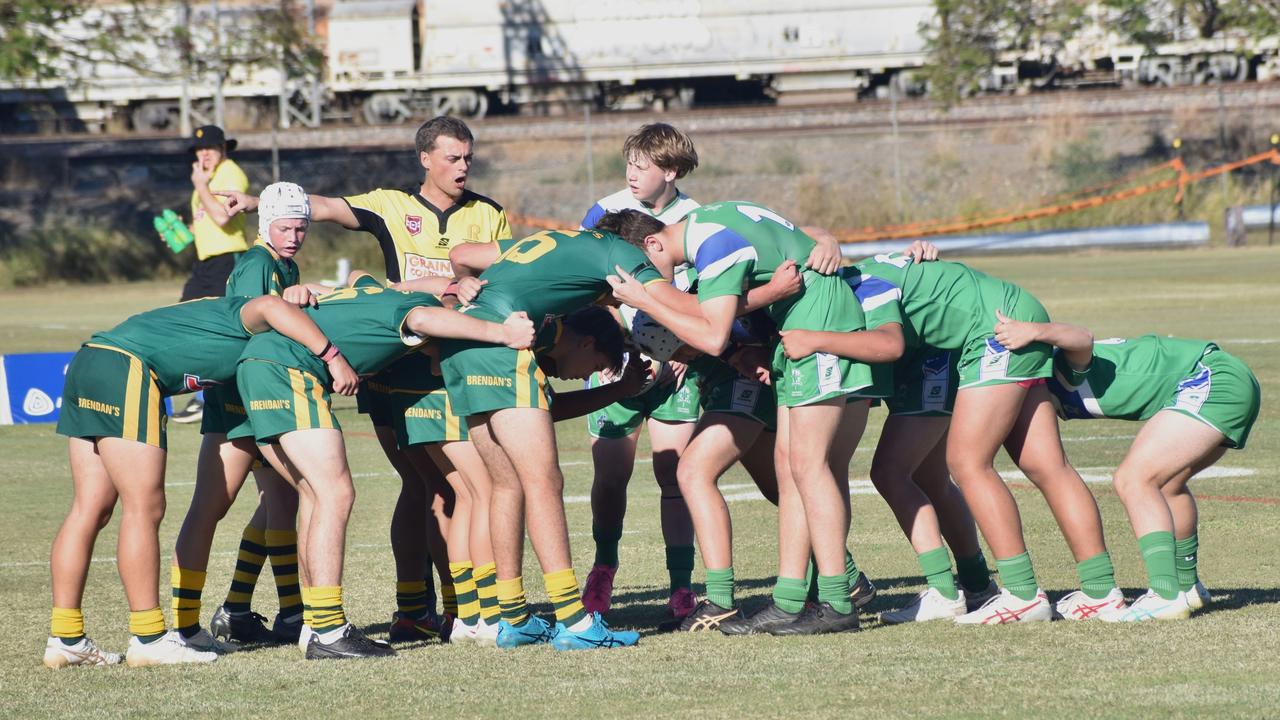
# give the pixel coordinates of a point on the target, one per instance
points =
(555, 272)
(365, 321)
(735, 246)
(1128, 379)
(189, 346)
(415, 236)
(942, 304)
(260, 271)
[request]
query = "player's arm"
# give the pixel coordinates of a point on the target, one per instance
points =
(786, 281)
(200, 179)
(323, 209)
(1076, 342)
(272, 313)
(304, 294)
(471, 259)
(825, 258)
(884, 344)
(707, 331)
(430, 285)
(577, 403)
(438, 322)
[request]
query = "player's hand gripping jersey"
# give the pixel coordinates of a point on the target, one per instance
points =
(948, 305)
(735, 246)
(1133, 379)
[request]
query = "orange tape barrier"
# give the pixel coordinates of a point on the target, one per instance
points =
(1005, 217)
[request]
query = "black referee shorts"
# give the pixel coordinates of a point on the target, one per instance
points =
(209, 277)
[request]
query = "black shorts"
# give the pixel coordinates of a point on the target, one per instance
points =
(209, 277)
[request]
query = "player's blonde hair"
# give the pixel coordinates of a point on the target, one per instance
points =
(664, 146)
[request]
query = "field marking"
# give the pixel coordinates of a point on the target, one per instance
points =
(1251, 341)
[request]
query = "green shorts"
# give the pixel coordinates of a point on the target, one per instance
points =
(925, 381)
(224, 412)
(426, 417)
(1223, 394)
(661, 402)
(723, 390)
(881, 386)
(111, 393)
(983, 361)
(827, 304)
(481, 377)
(282, 399)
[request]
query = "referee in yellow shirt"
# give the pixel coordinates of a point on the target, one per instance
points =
(219, 237)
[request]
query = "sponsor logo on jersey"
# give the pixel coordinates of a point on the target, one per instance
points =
(473, 233)
(443, 242)
(419, 266)
(413, 224)
(233, 409)
(424, 413)
(1194, 391)
(490, 381)
(745, 394)
(195, 383)
(936, 365)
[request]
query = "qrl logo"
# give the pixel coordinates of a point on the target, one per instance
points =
(413, 224)
(195, 383)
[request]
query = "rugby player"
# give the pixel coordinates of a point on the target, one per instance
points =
(1001, 400)
(288, 408)
(112, 414)
(1196, 401)
(228, 452)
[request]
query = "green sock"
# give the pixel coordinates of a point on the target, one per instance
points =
(1017, 575)
(1184, 560)
(790, 593)
(680, 566)
(936, 564)
(720, 587)
(1097, 575)
(973, 573)
(834, 591)
(851, 570)
(607, 540)
(1157, 554)
(811, 580)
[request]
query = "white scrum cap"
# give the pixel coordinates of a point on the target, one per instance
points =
(653, 339)
(279, 201)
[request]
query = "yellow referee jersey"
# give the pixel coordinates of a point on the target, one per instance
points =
(212, 239)
(416, 237)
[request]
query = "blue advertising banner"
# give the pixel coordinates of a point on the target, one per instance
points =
(31, 387)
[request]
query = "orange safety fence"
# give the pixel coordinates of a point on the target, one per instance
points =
(1005, 217)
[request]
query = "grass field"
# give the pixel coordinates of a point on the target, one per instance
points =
(1220, 663)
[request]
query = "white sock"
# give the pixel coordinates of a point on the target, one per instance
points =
(581, 625)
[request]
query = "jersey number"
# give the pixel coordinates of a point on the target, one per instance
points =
(348, 293)
(900, 262)
(532, 247)
(757, 213)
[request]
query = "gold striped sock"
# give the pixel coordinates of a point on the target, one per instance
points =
(562, 588)
(308, 614)
(511, 600)
(449, 597)
(487, 588)
(282, 548)
(326, 608)
(147, 625)
(187, 586)
(67, 623)
(411, 597)
(250, 558)
(464, 586)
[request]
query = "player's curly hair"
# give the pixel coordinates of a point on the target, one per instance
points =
(631, 225)
(452, 127)
(599, 324)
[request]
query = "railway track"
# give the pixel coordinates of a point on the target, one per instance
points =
(853, 117)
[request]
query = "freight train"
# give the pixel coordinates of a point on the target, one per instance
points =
(388, 61)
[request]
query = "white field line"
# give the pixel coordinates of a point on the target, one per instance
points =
(1251, 341)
